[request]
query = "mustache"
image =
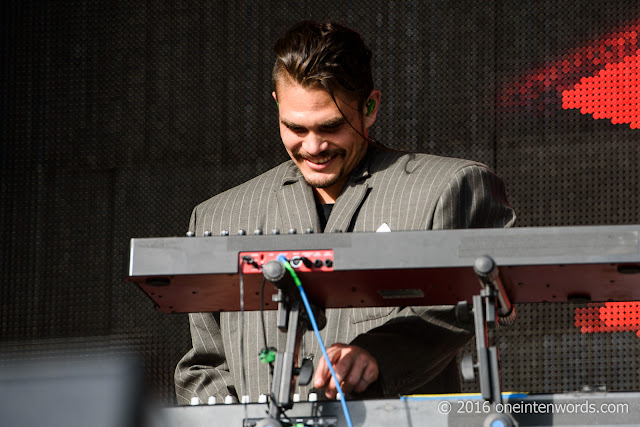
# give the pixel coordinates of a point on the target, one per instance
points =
(328, 153)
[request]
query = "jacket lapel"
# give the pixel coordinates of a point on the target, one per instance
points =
(346, 208)
(296, 203)
(354, 193)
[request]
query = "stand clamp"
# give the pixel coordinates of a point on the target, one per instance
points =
(490, 307)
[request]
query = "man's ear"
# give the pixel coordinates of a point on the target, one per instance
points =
(275, 97)
(370, 108)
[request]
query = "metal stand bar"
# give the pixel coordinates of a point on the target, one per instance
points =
(488, 357)
(281, 395)
(491, 307)
(293, 321)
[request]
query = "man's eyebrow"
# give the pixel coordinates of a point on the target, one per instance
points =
(333, 123)
(328, 124)
(290, 125)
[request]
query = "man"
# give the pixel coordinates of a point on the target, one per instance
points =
(340, 179)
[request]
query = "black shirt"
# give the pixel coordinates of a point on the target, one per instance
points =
(324, 210)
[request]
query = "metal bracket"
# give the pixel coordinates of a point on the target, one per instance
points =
(491, 307)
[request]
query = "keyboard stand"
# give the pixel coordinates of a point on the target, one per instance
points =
(491, 307)
(293, 321)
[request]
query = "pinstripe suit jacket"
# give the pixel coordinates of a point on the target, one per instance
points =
(415, 346)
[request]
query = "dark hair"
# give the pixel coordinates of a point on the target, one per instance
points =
(326, 54)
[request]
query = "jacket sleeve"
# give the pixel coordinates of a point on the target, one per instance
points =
(203, 371)
(416, 350)
(474, 197)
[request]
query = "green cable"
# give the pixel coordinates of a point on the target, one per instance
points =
(293, 273)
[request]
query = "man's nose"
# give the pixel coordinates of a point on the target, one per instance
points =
(314, 144)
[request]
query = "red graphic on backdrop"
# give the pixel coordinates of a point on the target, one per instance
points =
(611, 93)
(609, 317)
(600, 79)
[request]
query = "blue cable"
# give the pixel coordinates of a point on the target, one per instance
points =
(307, 306)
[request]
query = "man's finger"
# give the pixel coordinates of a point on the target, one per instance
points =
(369, 375)
(354, 366)
(357, 362)
(322, 376)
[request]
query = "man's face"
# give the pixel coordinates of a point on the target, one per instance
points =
(320, 141)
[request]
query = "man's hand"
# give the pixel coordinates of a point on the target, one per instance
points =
(355, 368)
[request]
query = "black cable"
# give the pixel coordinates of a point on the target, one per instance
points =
(242, 357)
(266, 348)
(264, 328)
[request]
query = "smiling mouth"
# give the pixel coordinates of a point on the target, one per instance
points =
(320, 164)
(319, 160)
(322, 159)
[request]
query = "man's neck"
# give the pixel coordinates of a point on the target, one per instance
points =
(323, 197)
(330, 194)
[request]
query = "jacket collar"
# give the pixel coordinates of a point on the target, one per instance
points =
(346, 206)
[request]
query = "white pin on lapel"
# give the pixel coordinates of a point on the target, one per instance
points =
(384, 228)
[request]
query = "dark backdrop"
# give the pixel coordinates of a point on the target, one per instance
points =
(119, 116)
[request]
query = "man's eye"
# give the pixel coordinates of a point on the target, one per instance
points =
(330, 129)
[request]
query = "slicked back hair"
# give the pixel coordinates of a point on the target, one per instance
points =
(326, 54)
